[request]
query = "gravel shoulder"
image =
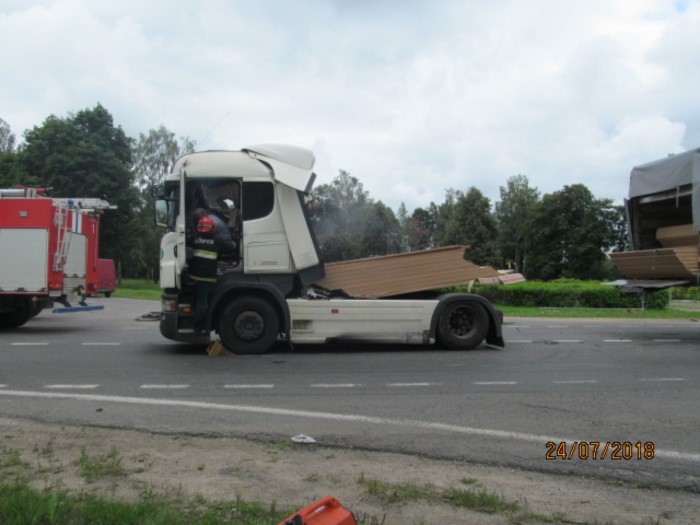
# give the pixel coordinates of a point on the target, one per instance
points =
(292, 475)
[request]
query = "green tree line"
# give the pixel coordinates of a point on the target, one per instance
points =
(561, 234)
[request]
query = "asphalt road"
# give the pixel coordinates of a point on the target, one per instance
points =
(618, 399)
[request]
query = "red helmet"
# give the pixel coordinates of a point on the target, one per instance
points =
(205, 225)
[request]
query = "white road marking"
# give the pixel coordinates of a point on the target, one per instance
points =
(495, 383)
(667, 340)
(164, 387)
(100, 344)
(412, 384)
(617, 340)
(3, 386)
(72, 387)
(658, 379)
(335, 385)
(566, 341)
(576, 382)
(351, 418)
(29, 344)
(519, 341)
(241, 386)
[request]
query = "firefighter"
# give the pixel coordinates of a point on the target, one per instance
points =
(202, 266)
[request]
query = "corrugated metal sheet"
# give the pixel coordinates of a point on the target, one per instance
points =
(403, 273)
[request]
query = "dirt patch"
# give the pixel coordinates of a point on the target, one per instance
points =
(293, 475)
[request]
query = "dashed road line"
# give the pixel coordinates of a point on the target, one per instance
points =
(576, 382)
(488, 383)
(29, 344)
(661, 379)
(516, 341)
(71, 387)
(560, 341)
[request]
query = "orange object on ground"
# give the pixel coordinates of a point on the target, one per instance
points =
(326, 511)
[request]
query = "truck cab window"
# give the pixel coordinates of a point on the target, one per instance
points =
(258, 200)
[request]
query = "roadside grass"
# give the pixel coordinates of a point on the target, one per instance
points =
(138, 289)
(612, 313)
(20, 503)
(474, 498)
(99, 466)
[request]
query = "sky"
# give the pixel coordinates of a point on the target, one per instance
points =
(412, 97)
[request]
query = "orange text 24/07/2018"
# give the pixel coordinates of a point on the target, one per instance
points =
(615, 450)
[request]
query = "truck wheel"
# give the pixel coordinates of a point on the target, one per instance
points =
(20, 315)
(462, 326)
(249, 325)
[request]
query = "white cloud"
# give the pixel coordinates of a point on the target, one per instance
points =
(411, 97)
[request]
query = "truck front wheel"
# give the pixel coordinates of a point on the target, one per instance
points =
(462, 326)
(249, 325)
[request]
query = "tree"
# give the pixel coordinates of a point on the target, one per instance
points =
(85, 155)
(381, 231)
(7, 138)
(339, 208)
(472, 223)
(154, 155)
(513, 212)
(419, 230)
(403, 218)
(568, 232)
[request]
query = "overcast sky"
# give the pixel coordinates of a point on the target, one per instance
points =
(410, 96)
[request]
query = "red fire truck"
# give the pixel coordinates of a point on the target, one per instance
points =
(48, 253)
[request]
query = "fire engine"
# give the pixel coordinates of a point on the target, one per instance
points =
(48, 253)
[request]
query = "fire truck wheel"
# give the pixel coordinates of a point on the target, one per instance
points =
(249, 325)
(462, 326)
(21, 314)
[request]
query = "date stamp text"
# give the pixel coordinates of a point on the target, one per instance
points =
(614, 450)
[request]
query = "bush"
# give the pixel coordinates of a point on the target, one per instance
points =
(569, 293)
(686, 293)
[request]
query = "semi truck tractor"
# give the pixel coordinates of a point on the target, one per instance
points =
(268, 290)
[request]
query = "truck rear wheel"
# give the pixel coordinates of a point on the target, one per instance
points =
(20, 315)
(249, 325)
(462, 325)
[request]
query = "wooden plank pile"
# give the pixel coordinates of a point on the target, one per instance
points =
(679, 257)
(392, 275)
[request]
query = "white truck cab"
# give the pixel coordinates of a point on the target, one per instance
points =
(259, 194)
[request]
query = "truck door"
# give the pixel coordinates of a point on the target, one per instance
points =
(181, 232)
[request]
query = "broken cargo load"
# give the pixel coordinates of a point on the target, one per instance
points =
(663, 213)
(404, 273)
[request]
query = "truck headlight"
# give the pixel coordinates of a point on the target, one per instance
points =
(169, 305)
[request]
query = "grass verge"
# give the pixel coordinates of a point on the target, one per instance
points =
(22, 504)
